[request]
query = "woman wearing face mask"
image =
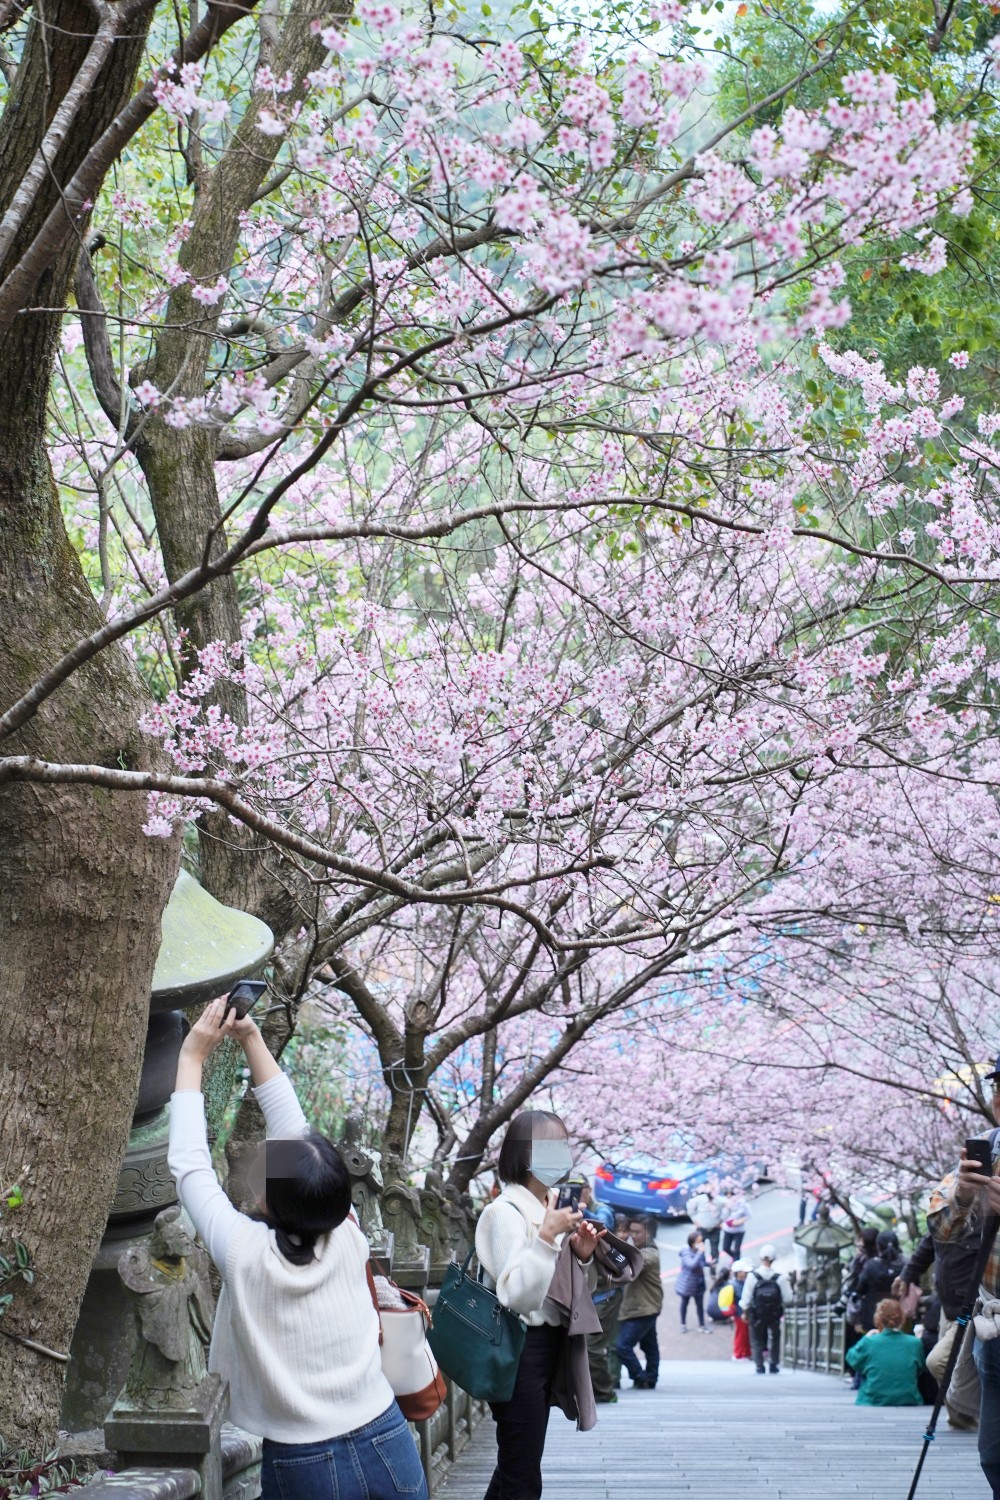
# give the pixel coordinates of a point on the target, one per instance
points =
(518, 1239)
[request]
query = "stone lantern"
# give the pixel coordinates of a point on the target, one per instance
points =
(205, 947)
(823, 1241)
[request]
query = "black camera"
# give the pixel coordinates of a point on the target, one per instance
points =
(616, 1259)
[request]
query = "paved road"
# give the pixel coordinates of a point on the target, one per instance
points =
(719, 1430)
(774, 1215)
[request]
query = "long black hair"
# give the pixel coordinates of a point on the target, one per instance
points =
(869, 1241)
(308, 1193)
(888, 1245)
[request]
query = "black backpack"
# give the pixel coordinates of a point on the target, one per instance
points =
(767, 1304)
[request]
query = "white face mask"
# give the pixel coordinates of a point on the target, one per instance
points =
(550, 1161)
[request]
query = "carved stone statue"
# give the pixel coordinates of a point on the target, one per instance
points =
(364, 1165)
(401, 1212)
(447, 1221)
(167, 1278)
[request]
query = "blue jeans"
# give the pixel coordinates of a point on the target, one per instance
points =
(988, 1365)
(641, 1331)
(375, 1462)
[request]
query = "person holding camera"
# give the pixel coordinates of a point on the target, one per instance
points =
(518, 1242)
(690, 1283)
(296, 1334)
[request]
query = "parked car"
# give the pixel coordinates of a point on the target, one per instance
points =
(640, 1185)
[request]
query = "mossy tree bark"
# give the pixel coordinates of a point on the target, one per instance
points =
(81, 888)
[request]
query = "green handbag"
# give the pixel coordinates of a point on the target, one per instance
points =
(476, 1342)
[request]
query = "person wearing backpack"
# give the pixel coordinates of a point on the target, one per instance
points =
(765, 1295)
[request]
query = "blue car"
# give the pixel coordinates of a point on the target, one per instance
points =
(640, 1185)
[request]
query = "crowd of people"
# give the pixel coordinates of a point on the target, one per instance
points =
(296, 1332)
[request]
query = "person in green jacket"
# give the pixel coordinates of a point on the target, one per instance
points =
(888, 1361)
(641, 1305)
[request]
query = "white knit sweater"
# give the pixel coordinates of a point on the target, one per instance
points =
(516, 1262)
(298, 1344)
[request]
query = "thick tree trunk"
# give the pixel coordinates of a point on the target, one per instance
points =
(81, 887)
(81, 894)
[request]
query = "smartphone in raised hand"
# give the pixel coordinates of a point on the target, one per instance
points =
(243, 997)
(569, 1195)
(979, 1152)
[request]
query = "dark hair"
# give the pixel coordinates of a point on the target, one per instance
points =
(888, 1245)
(648, 1222)
(514, 1161)
(695, 1234)
(869, 1239)
(308, 1193)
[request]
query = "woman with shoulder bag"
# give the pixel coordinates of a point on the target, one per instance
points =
(518, 1239)
(296, 1334)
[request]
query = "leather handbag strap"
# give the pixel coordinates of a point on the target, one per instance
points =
(370, 1279)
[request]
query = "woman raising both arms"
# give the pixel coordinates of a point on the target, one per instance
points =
(296, 1335)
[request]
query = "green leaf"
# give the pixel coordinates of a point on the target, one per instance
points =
(5, 1267)
(16, 1197)
(23, 1255)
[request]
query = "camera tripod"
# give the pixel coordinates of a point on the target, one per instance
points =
(990, 1226)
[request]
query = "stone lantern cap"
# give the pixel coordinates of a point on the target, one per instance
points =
(822, 1237)
(204, 948)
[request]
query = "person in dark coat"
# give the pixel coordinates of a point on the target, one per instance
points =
(690, 1283)
(953, 1261)
(866, 1249)
(878, 1276)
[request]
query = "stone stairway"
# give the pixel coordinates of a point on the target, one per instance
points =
(717, 1429)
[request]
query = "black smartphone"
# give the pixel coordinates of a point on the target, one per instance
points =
(980, 1152)
(569, 1195)
(243, 997)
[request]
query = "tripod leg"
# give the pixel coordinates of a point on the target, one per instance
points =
(989, 1234)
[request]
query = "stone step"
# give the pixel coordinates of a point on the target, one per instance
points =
(718, 1429)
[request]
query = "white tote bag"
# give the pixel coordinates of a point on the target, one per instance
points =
(407, 1361)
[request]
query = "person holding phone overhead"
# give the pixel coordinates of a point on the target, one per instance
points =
(975, 1195)
(296, 1334)
(518, 1242)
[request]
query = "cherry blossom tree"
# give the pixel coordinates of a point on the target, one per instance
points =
(447, 503)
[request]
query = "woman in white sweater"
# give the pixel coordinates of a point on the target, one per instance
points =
(295, 1334)
(518, 1239)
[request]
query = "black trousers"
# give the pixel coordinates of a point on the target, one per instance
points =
(711, 1238)
(522, 1421)
(766, 1336)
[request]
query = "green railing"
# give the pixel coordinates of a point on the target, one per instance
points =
(814, 1338)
